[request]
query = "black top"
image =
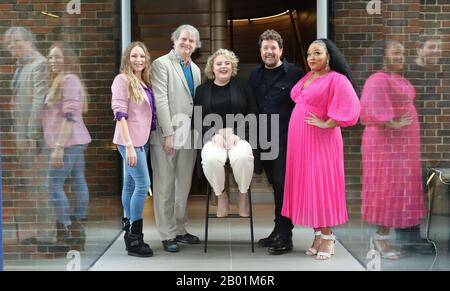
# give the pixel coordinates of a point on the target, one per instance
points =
(213, 99)
(273, 93)
(270, 75)
(221, 101)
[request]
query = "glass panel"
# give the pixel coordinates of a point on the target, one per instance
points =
(61, 202)
(399, 55)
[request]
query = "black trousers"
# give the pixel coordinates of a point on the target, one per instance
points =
(276, 171)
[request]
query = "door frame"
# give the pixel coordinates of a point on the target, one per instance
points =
(322, 21)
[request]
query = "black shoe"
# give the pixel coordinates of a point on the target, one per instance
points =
(279, 250)
(268, 241)
(187, 239)
(283, 245)
(170, 245)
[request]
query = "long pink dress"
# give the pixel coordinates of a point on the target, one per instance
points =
(392, 192)
(314, 191)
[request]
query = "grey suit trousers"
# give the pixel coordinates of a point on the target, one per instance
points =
(172, 178)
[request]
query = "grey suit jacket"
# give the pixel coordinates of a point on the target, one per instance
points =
(172, 99)
(29, 86)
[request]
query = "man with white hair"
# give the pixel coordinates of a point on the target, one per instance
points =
(29, 87)
(174, 79)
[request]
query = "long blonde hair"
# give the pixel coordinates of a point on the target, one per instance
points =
(126, 68)
(71, 66)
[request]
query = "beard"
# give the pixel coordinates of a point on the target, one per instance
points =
(272, 63)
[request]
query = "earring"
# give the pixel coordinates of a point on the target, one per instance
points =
(328, 66)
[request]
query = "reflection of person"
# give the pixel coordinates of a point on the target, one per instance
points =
(428, 52)
(423, 76)
(67, 136)
(29, 86)
(315, 186)
(132, 103)
(174, 79)
(272, 82)
(392, 194)
(225, 95)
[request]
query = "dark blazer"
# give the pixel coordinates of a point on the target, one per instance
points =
(242, 101)
(275, 98)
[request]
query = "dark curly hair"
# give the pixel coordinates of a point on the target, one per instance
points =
(338, 62)
(271, 34)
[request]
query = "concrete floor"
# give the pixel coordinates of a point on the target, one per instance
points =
(229, 247)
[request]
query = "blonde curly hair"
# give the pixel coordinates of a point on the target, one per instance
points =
(229, 55)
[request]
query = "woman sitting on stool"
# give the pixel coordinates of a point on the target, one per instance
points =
(224, 95)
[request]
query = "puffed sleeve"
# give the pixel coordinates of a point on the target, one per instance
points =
(376, 106)
(344, 106)
(73, 93)
(120, 98)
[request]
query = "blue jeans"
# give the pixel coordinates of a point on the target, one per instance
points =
(74, 169)
(136, 182)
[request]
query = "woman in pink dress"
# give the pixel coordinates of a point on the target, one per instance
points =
(314, 185)
(392, 194)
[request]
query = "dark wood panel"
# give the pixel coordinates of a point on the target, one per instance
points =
(175, 19)
(159, 43)
(149, 31)
(167, 6)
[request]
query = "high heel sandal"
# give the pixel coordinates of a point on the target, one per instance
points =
(390, 254)
(312, 251)
(324, 255)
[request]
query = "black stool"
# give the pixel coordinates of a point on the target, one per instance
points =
(231, 215)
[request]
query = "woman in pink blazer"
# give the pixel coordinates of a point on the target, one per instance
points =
(67, 136)
(134, 112)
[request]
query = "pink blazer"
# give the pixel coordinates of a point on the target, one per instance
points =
(139, 115)
(71, 104)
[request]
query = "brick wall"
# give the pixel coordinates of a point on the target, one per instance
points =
(402, 20)
(93, 33)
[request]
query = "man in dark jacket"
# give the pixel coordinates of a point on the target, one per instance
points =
(272, 82)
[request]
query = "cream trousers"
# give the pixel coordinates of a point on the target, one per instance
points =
(241, 161)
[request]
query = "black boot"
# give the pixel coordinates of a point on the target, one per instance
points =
(283, 244)
(126, 228)
(270, 240)
(62, 234)
(77, 238)
(135, 241)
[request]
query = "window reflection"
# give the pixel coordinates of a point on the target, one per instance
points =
(59, 178)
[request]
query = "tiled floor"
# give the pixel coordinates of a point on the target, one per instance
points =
(228, 247)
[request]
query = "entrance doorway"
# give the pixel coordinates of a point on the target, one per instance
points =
(152, 22)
